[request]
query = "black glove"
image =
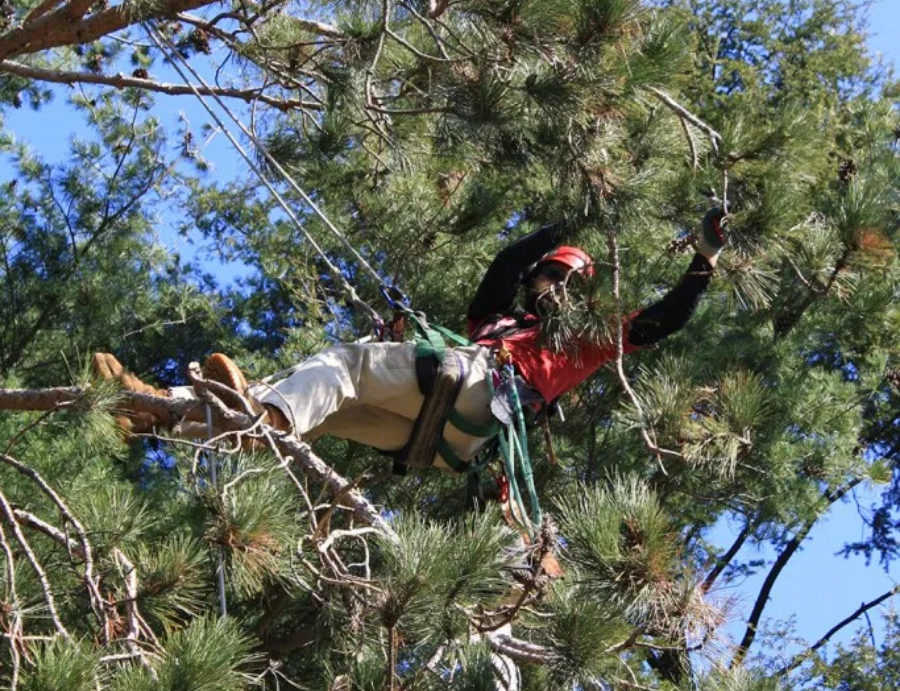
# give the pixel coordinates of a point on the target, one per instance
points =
(712, 238)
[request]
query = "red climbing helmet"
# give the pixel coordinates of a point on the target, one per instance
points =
(574, 258)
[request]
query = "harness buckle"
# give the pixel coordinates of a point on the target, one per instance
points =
(503, 356)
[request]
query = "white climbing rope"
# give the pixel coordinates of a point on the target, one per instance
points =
(178, 61)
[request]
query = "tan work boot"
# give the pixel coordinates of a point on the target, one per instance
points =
(106, 366)
(221, 368)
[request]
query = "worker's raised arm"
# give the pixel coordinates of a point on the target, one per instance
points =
(670, 314)
(497, 290)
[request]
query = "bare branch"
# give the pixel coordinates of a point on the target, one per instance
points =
(335, 535)
(121, 81)
(129, 575)
(7, 513)
(47, 529)
(862, 609)
(519, 650)
(15, 627)
(723, 561)
(58, 28)
(714, 137)
(169, 408)
(649, 441)
(692, 145)
(91, 583)
(320, 28)
(780, 562)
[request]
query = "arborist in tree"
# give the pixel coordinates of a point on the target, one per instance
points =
(382, 395)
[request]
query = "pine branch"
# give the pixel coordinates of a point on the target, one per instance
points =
(167, 408)
(58, 28)
(121, 81)
(782, 560)
(862, 609)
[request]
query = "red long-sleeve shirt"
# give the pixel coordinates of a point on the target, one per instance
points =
(493, 322)
(551, 372)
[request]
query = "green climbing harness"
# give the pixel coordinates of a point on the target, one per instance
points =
(440, 377)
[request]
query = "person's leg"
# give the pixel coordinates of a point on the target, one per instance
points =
(344, 377)
(375, 427)
(473, 403)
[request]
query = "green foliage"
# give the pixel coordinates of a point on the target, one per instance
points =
(63, 665)
(433, 569)
(257, 524)
(581, 632)
(474, 670)
(623, 545)
(858, 664)
(432, 147)
(174, 581)
(209, 655)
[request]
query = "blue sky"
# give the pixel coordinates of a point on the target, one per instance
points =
(817, 587)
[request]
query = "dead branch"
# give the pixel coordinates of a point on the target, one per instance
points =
(692, 145)
(15, 627)
(90, 581)
(335, 535)
(285, 443)
(649, 441)
(862, 609)
(714, 137)
(320, 28)
(519, 650)
(129, 575)
(9, 516)
(121, 81)
(51, 531)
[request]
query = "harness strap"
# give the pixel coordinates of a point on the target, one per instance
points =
(428, 428)
(473, 429)
(450, 457)
(440, 383)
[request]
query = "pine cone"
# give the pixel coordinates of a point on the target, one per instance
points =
(846, 169)
(680, 245)
(893, 377)
(199, 39)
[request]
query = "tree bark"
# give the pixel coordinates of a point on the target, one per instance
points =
(288, 445)
(65, 27)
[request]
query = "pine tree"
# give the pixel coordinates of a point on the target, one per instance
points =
(432, 133)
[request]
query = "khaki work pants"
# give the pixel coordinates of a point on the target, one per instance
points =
(367, 392)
